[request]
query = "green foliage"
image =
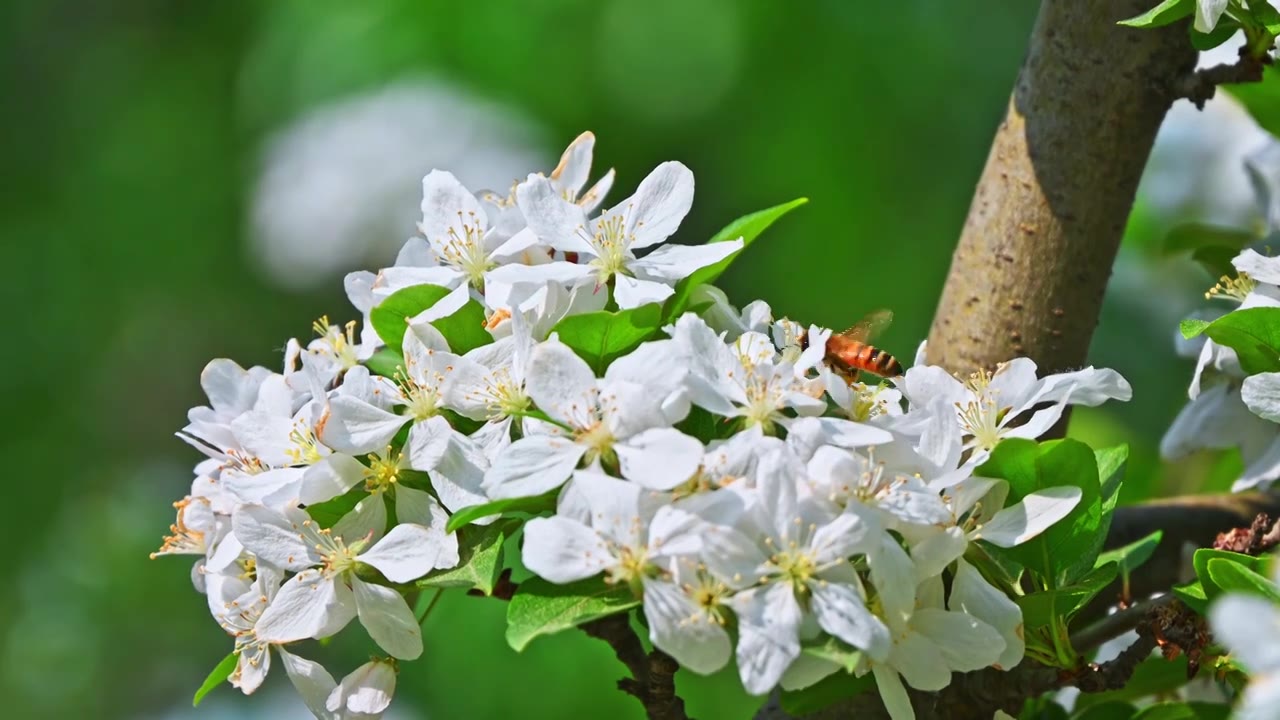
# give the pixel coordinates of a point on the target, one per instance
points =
(536, 504)
(1254, 333)
(1110, 710)
(480, 551)
(835, 651)
(1211, 246)
(1066, 551)
(1167, 12)
(1224, 31)
(1261, 99)
(385, 362)
(328, 513)
(747, 227)
(602, 337)
(1184, 711)
(1131, 556)
(216, 677)
(1042, 609)
(1192, 327)
(543, 608)
(825, 692)
(464, 327)
(1231, 576)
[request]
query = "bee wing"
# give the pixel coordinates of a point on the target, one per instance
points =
(872, 324)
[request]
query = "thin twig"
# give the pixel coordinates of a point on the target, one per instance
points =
(1116, 624)
(1200, 86)
(653, 675)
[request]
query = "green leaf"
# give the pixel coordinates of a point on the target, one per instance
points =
(1254, 334)
(1110, 710)
(1040, 608)
(837, 652)
(328, 513)
(533, 505)
(1193, 595)
(385, 362)
(1263, 14)
(1216, 260)
(1234, 577)
(216, 677)
(1153, 676)
(390, 318)
(824, 693)
(1192, 327)
(602, 337)
(1224, 31)
(480, 560)
(1196, 235)
(1131, 556)
(1184, 711)
(542, 608)
(1111, 464)
(1067, 550)
(1167, 12)
(1261, 99)
(747, 227)
(1200, 561)
(464, 328)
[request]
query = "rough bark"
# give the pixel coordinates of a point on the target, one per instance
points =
(1029, 272)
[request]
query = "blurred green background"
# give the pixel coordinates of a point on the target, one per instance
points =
(187, 180)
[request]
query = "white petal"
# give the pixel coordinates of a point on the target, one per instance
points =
(458, 477)
(558, 222)
(681, 628)
(448, 206)
(1261, 394)
(661, 201)
(309, 605)
(841, 612)
(410, 551)
(574, 168)
(1259, 267)
(428, 442)
(368, 519)
(366, 691)
(936, 550)
(972, 594)
(669, 264)
(631, 292)
(279, 539)
(894, 577)
(892, 693)
(562, 550)
(1030, 517)
(920, 662)
(277, 488)
(329, 478)
(265, 436)
(388, 619)
(659, 459)
(1208, 12)
(768, 640)
(1250, 627)
(532, 466)
(354, 426)
(966, 643)
(310, 679)
(560, 382)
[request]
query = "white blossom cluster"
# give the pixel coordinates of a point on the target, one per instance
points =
(1228, 409)
(765, 507)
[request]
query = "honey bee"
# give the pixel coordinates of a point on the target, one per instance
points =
(851, 351)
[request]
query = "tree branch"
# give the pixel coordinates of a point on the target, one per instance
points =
(1200, 86)
(1036, 251)
(652, 680)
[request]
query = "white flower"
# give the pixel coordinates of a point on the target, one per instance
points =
(364, 694)
(239, 617)
(793, 555)
(746, 379)
(337, 350)
(605, 247)
(1249, 626)
(327, 591)
(843, 477)
(987, 405)
(1208, 12)
(623, 419)
(232, 391)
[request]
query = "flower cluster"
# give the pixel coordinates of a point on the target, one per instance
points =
(764, 506)
(1233, 405)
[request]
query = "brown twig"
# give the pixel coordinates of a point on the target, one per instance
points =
(652, 680)
(1116, 624)
(1200, 86)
